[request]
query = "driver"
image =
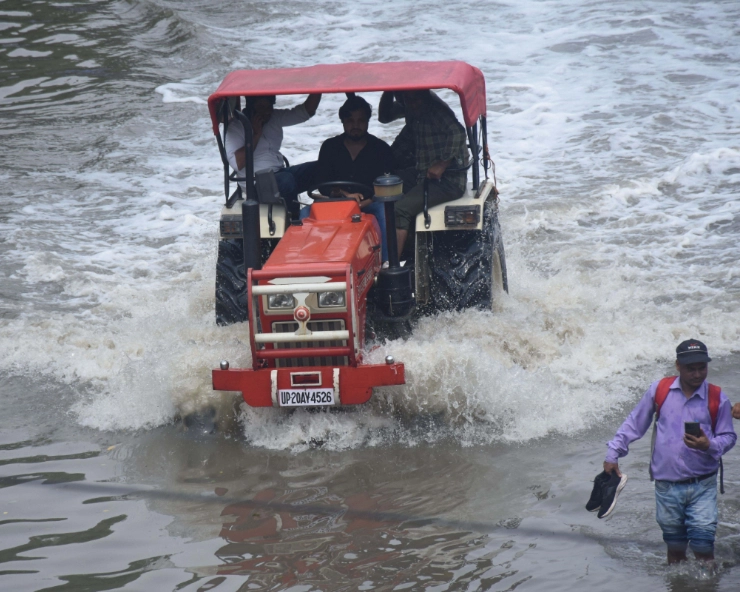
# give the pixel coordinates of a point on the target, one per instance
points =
(358, 157)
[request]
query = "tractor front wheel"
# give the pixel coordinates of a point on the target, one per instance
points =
(231, 285)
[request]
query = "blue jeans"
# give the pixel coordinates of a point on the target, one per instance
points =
(687, 514)
(377, 210)
(295, 179)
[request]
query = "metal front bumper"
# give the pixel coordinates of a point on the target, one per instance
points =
(351, 385)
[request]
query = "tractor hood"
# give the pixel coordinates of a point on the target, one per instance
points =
(328, 235)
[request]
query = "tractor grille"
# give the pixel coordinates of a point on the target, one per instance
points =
(292, 327)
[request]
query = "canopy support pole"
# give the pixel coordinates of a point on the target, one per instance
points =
(486, 155)
(473, 139)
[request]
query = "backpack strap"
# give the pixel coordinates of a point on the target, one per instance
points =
(714, 392)
(714, 401)
(661, 393)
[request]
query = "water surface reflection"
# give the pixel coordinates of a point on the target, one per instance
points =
(336, 521)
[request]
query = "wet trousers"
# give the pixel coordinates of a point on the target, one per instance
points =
(295, 179)
(687, 514)
(412, 202)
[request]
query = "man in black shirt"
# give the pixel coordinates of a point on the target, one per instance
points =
(356, 156)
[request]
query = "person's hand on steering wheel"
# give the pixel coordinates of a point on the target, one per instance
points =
(362, 194)
(358, 197)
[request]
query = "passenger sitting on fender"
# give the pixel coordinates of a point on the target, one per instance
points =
(356, 156)
(438, 142)
(267, 125)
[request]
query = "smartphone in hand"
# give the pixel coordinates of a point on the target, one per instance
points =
(692, 428)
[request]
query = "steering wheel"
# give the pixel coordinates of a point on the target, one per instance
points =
(332, 188)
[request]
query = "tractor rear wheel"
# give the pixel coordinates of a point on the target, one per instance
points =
(468, 268)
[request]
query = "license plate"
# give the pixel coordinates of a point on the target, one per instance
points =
(305, 397)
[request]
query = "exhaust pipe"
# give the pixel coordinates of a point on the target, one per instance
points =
(251, 206)
(394, 293)
(251, 235)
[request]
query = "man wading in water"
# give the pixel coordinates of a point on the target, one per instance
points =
(684, 466)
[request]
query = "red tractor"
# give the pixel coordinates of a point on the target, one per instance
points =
(314, 290)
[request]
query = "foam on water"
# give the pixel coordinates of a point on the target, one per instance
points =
(615, 138)
(177, 92)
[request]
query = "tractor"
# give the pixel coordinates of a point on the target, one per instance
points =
(313, 293)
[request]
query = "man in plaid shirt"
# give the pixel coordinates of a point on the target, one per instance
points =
(432, 141)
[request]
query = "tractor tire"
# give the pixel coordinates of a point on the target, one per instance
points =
(468, 268)
(231, 284)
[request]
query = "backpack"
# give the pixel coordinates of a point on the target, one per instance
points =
(661, 393)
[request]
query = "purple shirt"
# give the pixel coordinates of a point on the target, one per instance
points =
(672, 459)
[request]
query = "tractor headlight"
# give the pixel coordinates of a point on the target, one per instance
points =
(280, 302)
(331, 299)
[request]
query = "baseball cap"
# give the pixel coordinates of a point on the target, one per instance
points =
(692, 351)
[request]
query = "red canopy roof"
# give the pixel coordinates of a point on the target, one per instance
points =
(466, 80)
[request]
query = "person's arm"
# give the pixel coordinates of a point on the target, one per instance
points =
(389, 109)
(452, 147)
(234, 145)
(323, 165)
(298, 114)
(403, 148)
(257, 122)
(736, 411)
(633, 428)
(312, 103)
(358, 197)
(724, 434)
(438, 169)
(241, 161)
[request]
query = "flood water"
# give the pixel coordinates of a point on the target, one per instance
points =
(615, 129)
